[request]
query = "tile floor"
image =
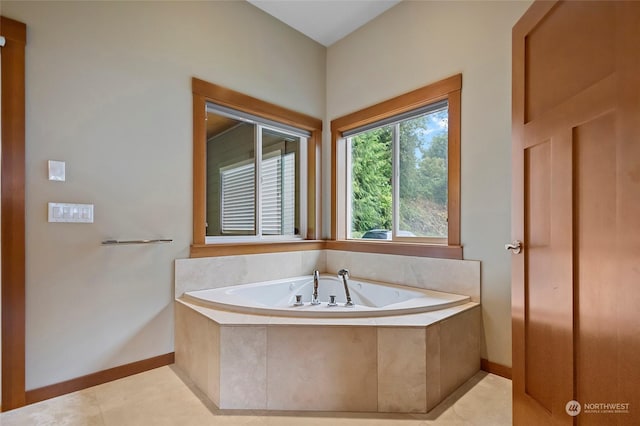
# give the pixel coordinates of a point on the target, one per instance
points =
(164, 396)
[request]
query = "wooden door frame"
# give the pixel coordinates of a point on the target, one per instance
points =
(13, 213)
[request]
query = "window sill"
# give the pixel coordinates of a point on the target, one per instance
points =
(381, 247)
(232, 249)
(398, 248)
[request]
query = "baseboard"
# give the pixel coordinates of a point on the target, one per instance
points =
(494, 368)
(104, 376)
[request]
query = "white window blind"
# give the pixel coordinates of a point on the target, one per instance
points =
(289, 194)
(271, 196)
(278, 197)
(238, 199)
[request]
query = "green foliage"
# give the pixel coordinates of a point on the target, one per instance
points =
(371, 180)
(433, 171)
(438, 148)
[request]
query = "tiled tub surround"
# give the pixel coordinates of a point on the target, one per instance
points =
(401, 364)
(448, 275)
(404, 363)
(216, 272)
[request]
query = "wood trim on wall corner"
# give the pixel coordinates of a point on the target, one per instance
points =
(104, 376)
(495, 368)
(13, 213)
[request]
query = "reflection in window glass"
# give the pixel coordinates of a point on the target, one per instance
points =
(237, 199)
(280, 183)
(235, 181)
(230, 177)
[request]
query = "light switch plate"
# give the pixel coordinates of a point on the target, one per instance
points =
(73, 213)
(56, 170)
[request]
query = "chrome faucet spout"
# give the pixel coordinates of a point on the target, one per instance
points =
(316, 281)
(344, 274)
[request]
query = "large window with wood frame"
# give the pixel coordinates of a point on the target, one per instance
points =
(255, 174)
(396, 170)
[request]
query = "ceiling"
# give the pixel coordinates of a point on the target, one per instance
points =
(325, 21)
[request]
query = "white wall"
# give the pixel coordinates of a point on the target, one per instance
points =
(109, 92)
(416, 43)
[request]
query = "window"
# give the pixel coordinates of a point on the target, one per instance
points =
(396, 171)
(397, 177)
(250, 199)
(256, 185)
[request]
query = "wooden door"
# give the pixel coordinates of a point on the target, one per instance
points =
(576, 207)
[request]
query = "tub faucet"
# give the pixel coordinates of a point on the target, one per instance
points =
(316, 281)
(344, 274)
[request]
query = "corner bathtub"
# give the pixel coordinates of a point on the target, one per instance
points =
(278, 297)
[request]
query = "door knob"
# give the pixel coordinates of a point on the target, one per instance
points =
(515, 247)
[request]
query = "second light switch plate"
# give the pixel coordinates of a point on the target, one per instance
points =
(75, 213)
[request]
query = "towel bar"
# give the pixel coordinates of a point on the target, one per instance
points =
(122, 242)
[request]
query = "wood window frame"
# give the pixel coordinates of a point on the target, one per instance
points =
(449, 89)
(204, 92)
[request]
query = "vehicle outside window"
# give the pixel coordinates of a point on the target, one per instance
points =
(378, 234)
